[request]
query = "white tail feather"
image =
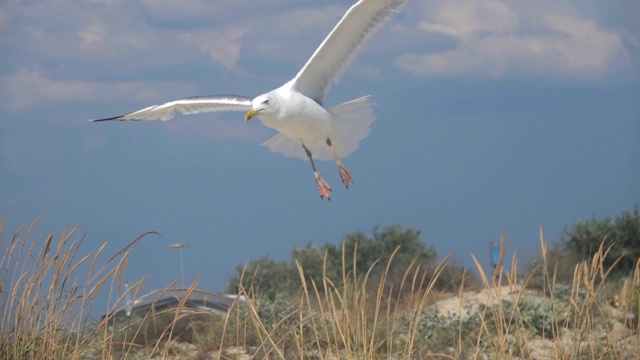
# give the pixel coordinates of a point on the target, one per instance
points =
(350, 124)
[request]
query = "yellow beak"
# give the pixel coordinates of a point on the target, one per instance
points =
(250, 114)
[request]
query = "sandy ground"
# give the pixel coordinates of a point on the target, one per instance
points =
(613, 335)
(611, 339)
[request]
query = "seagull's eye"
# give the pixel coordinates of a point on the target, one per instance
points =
(266, 102)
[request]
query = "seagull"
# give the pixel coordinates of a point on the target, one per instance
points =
(306, 129)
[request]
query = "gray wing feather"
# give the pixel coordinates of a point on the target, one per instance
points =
(187, 106)
(343, 45)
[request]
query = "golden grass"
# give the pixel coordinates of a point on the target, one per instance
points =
(48, 290)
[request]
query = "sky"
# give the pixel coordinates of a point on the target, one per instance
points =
(492, 118)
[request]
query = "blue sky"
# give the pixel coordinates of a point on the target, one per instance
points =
(492, 117)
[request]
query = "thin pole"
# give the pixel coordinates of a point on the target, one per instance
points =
(182, 265)
(180, 248)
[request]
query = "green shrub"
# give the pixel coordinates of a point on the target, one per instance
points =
(620, 234)
(361, 255)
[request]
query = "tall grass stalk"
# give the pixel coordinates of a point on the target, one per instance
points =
(579, 323)
(49, 290)
(351, 317)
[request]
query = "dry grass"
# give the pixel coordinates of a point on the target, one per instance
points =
(48, 290)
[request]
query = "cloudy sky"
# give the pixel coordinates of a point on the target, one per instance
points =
(492, 117)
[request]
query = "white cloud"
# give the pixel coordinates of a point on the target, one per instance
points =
(94, 33)
(28, 88)
(170, 9)
(499, 38)
(468, 18)
(104, 32)
(223, 48)
(62, 50)
(207, 9)
(291, 36)
(583, 46)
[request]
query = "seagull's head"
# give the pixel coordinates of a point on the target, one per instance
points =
(262, 104)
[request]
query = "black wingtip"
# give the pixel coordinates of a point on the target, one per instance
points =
(106, 119)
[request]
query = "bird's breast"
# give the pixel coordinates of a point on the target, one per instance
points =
(300, 118)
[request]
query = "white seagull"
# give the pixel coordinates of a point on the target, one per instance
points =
(306, 128)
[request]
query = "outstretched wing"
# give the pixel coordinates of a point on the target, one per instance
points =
(187, 106)
(343, 45)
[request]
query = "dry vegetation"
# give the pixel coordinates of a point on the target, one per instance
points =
(48, 290)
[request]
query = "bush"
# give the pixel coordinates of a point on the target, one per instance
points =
(361, 255)
(621, 234)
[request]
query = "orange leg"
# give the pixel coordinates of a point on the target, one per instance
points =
(323, 187)
(345, 175)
